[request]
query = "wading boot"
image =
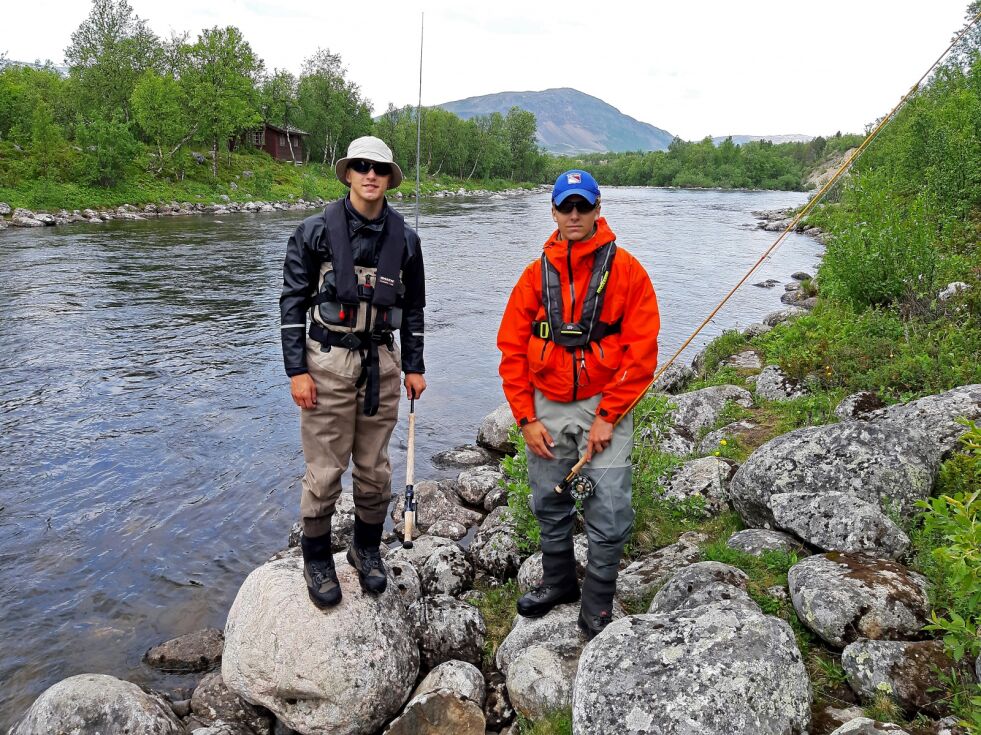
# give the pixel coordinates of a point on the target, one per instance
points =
(318, 571)
(596, 611)
(365, 556)
(559, 585)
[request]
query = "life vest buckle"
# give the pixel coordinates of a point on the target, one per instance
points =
(350, 341)
(543, 330)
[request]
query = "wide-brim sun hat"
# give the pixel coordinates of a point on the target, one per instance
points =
(369, 148)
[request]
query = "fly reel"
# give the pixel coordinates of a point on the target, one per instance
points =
(581, 487)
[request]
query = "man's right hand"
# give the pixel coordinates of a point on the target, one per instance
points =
(304, 390)
(538, 440)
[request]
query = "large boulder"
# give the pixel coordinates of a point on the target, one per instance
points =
(701, 409)
(493, 432)
(540, 681)
(473, 485)
(494, 548)
(468, 455)
(422, 548)
(706, 478)
(435, 501)
(344, 671)
(448, 629)
(556, 630)
(702, 583)
(843, 597)
(197, 651)
(891, 459)
(446, 571)
(839, 522)
(531, 573)
(643, 577)
(439, 713)
(460, 677)
(96, 703)
(213, 703)
(717, 669)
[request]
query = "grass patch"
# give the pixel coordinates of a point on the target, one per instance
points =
(555, 723)
(725, 345)
(497, 605)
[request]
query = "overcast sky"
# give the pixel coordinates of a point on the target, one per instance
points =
(714, 67)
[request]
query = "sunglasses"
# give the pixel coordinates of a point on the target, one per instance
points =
(363, 166)
(580, 205)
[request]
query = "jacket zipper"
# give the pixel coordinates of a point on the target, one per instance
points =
(572, 314)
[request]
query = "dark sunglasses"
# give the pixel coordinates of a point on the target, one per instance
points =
(580, 205)
(363, 166)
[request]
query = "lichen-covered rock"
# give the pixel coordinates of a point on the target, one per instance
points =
(448, 629)
(644, 576)
(783, 315)
(756, 329)
(468, 455)
(757, 540)
(493, 432)
(866, 726)
(858, 405)
(843, 597)
(446, 571)
(909, 672)
(712, 442)
(213, 703)
(405, 577)
(422, 548)
(530, 574)
(745, 360)
(701, 409)
(282, 652)
(435, 501)
(341, 525)
(839, 522)
(671, 440)
(540, 681)
(473, 484)
(460, 677)
(495, 498)
(439, 713)
(494, 548)
(706, 478)
(197, 651)
(96, 703)
(674, 378)
(702, 583)
(951, 290)
(557, 631)
(772, 384)
(935, 418)
(717, 669)
(447, 529)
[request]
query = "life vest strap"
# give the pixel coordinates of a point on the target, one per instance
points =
(574, 335)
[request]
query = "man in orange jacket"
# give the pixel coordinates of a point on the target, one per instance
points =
(578, 344)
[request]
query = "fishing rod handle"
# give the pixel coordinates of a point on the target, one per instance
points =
(410, 522)
(410, 454)
(560, 488)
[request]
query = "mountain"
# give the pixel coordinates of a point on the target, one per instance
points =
(740, 139)
(570, 121)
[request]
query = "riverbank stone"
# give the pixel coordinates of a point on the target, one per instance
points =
(448, 629)
(702, 583)
(858, 405)
(494, 548)
(866, 726)
(644, 576)
(472, 485)
(213, 703)
(439, 713)
(459, 677)
(436, 500)
(706, 479)
(494, 428)
(468, 455)
(755, 541)
(197, 651)
(772, 384)
(446, 571)
(701, 409)
(531, 573)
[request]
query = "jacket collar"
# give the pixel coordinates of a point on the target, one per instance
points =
(357, 221)
(556, 248)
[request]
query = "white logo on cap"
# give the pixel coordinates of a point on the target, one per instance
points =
(573, 178)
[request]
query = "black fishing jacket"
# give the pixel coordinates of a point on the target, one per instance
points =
(308, 249)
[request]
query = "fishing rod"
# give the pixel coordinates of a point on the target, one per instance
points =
(409, 508)
(584, 486)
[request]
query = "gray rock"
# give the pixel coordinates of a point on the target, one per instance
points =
(644, 576)
(404, 574)
(341, 526)
(446, 572)
(717, 669)
(712, 441)
(96, 703)
(909, 672)
(439, 713)
(493, 432)
(530, 574)
(745, 360)
(459, 677)
(447, 630)
(706, 478)
(540, 681)
(839, 522)
(16, 221)
(3, 224)
(701, 409)
(768, 283)
(802, 276)
(557, 631)
(782, 315)
(497, 709)
(865, 726)
(778, 226)
(276, 644)
(246, 174)
(772, 384)
(4, 209)
(858, 405)
(198, 158)
(935, 417)
(756, 329)
(496, 498)
(674, 378)
(473, 485)
(952, 290)
(435, 501)
(421, 550)
(702, 583)
(843, 597)
(213, 702)
(448, 529)
(673, 440)
(757, 540)
(468, 455)
(809, 303)
(494, 548)
(198, 651)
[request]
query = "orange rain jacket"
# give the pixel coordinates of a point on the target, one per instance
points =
(619, 366)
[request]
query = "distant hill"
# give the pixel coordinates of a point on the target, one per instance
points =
(570, 121)
(740, 139)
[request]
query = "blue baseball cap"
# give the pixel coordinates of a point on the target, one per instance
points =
(578, 182)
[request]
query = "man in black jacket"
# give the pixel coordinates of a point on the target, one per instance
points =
(357, 268)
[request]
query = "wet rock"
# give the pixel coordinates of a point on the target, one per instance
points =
(865, 726)
(702, 583)
(448, 529)
(439, 713)
(96, 703)
(198, 651)
(213, 702)
(735, 430)
(494, 548)
(530, 574)
(446, 571)
(745, 360)
(809, 303)
(706, 478)
(802, 276)
(674, 378)
(908, 671)
(701, 409)
(772, 384)
(447, 630)
(839, 522)
(641, 578)
(473, 485)
(493, 432)
(768, 283)
(459, 677)
(277, 643)
(468, 455)
(757, 540)
(843, 597)
(717, 669)
(435, 501)
(756, 329)
(783, 315)
(858, 405)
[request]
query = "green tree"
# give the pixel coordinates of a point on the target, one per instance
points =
(108, 151)
(520, 127)
(47, 141)
(160, 108)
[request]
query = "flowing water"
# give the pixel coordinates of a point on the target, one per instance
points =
(149, 448)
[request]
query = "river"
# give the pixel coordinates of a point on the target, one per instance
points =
(149, 449)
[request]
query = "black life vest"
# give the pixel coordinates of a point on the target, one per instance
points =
(589, 328)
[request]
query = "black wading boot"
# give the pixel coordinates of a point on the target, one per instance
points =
(318, 571)
(559, 585)
(596, 611)
(364, 556)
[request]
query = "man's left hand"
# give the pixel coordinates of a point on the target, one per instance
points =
(415, 384)
(600, 436)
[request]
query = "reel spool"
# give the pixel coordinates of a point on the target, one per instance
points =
(581, 487)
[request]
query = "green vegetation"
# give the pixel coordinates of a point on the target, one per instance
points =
(497, 605)
(556, 723)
